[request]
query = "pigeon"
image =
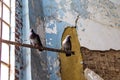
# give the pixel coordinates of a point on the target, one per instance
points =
(35, 40)
(66, 45)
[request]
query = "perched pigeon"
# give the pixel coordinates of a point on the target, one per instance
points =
(66, 45)
(35, 40)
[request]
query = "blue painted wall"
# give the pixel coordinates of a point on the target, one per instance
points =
(98, 23)
(96, 27)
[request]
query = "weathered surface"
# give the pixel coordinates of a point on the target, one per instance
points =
(39, 69)
(91, 75)
(18, 33)
(100, 30)
(71, 67)
(97, 28)
(100, 19)
(105, 63)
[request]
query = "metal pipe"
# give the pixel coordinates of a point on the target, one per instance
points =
(31, 46)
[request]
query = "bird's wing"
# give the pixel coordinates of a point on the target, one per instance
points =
(39, 41)
(70, 45)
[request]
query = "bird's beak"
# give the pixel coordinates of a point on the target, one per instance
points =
(69, 36)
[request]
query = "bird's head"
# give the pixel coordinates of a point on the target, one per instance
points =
(68, 37)
(32, 31)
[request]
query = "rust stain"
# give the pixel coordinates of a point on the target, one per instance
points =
(71, 67)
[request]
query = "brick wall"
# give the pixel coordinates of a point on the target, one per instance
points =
(18, 28)
(104, 63)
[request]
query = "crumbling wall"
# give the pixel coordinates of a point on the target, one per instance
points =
(97, 27)
(18, 38)
(104, 63)
(38, 59)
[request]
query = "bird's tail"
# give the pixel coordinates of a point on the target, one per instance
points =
(69, 53)
(41, 49)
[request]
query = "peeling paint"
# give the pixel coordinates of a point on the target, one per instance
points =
(51, 30)
(98, 27)
(115, 1)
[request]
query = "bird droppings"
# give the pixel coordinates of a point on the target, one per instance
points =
(71, 69)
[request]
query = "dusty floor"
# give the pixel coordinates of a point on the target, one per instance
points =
(104, 63)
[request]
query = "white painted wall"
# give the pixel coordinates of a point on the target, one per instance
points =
(26, 51)
(98, 26)
(101, 31)
(97, 36)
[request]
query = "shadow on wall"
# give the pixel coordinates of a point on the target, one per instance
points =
(71, 67)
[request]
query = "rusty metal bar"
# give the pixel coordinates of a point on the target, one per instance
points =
(8, 65)
(1, 16)
(57, 50)
(31, 46)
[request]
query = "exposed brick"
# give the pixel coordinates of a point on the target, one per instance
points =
(17, 30)
(18, 26)
(17, 48)
(17, 36)
(17, 71)
(104, 63)
(16, 78)
(17, 20)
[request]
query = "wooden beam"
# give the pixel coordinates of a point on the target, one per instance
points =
(31, 46)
